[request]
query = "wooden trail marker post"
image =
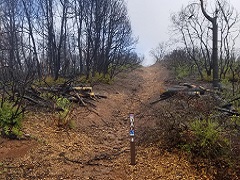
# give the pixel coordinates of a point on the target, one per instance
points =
(132, 142)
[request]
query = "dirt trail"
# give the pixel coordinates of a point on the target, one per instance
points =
(98, 146)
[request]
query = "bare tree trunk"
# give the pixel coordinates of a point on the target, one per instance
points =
(35, 54)
(213, 20)
(79, 19)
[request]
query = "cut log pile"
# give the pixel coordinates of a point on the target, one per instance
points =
(44, 96)
(190, 90)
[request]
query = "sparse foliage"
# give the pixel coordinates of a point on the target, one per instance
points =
(180, 62)
(64, 106)
(65, 38)
(207, 140)
(159, 52)
(195, 31)
(10, 120)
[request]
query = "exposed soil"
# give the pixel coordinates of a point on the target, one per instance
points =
(98, 145)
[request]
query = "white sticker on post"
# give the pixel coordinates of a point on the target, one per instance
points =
(131, 120)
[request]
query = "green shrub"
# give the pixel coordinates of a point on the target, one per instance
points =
(10, 120)
(206, 77)
(182, 72)
(64, 104)
(98, 77)
(50, 81)
(235, 120)
(207, 140)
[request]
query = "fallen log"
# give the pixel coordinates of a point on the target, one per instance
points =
(80, 99)
(81, 88)
(235, 99)
(229, 104)
(31, 99)
(186, 89)
(100, 96)
(228, 111)
(45, 103)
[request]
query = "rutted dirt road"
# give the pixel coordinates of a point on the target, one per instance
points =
(98, 146)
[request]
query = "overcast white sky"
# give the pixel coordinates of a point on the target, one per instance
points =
(150, 21)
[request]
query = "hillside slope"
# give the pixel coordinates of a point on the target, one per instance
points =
(98, 146)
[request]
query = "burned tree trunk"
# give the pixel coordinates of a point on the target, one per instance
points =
(214, 28)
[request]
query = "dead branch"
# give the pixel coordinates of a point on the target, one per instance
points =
(102, 156)
(228, 111)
